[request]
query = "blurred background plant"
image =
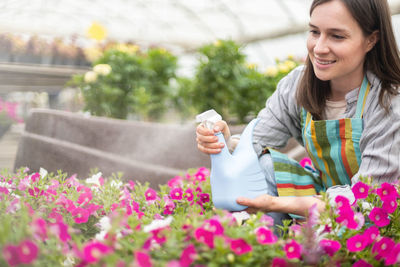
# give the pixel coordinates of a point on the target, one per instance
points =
(224, 81)
(125, 80)
(8, 115)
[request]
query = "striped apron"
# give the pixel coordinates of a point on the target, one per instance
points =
(333, 146)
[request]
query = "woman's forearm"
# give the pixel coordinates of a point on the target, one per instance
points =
(296, 205)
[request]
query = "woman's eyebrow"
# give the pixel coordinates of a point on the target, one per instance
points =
(330, 29)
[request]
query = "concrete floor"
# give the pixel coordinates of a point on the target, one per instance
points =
(9, 145)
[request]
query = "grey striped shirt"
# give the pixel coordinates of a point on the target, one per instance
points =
(380, 140)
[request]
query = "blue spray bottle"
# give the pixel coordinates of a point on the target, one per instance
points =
(234, 175)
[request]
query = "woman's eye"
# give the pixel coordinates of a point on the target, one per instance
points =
(337, 36)
(314, 32)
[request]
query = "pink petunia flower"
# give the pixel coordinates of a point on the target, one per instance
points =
(214, 226)
(175, 182)
(94, 251)
(10, 254)
(240, 246)
(293, 250)
(169, 207)
(360, 190)
(55, 216)
(39, 228)
(204, 236)
(204, 197)
(36, 192)
(267, 220)
(379, 216)
(150, 194)
(330, 247)
(361, 263)
(346, 217)
(279, 262)
(189, 194)
(383, 247)
(80, 215)
(35, 177)
(27, 251)
(356, 243)
(176, 193)
(342, 202)
(387, 191)
(371, 234)
(188, 256)
(60, 229)
(84, 198)
(394, 256)
(389, 205)
(265, 236)
(142, 259)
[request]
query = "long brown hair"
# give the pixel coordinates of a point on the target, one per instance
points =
(383, 59)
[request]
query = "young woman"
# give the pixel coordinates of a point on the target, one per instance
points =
(343, 106)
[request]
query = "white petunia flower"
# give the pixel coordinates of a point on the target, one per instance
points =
(43, 172)
(157, 224)
(95, 179)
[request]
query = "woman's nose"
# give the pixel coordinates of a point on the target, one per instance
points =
(321, 46)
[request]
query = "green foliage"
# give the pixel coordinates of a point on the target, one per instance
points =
(124, 83)
(226, 83)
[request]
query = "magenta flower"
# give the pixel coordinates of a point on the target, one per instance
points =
(188, 256)
(330, 247)
(175, 182)
(356, 243)
(35, 177)
(214, 226)
(10, 254)
(94, 250)
(346, 217)
(27, 252)
(55, 216)
(342, 202)
(267, 220)
(150, 194)
(394, 256)
(389, 205)
(60, 230)
(361, 263)
(142, 259)
(387, 191)
(176, 193)
(169, 207)
(279, 262)
(36, 192)
(39, 228)
(379, 216)
(360, 190)
(204, 197)
(189, 194)
(383, 247)
(371, 234)
(200, 176)
(80, 215)
(265, 236)
(204, 236)
(293, 250)
(240, 246)
(85, 198)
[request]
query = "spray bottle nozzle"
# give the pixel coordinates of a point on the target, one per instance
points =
(208, 118)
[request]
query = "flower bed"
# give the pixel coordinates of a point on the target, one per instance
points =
(55, 220)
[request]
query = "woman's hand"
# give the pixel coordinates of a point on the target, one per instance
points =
(207, 142)
(262, 203)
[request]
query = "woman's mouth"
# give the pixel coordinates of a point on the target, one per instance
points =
(324, 62)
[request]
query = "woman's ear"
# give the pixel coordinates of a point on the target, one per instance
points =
(372, 39)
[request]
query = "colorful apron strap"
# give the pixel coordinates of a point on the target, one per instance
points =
(362, 97)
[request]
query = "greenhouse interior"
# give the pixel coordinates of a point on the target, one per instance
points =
(105, 156)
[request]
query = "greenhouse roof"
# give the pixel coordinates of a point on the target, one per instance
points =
(183, 24)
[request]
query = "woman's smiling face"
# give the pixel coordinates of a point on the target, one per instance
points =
(336, 45)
